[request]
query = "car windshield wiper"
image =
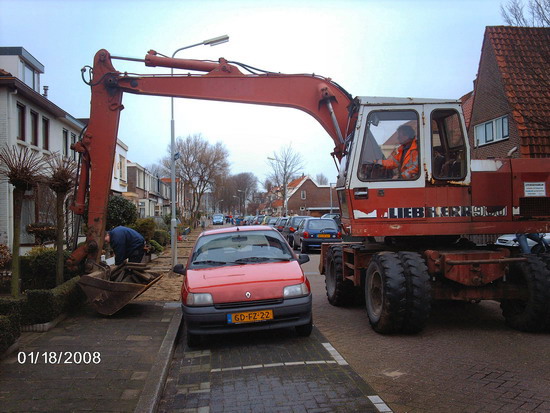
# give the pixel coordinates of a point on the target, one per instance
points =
(259, 259)
(209, 262)
(251, 259)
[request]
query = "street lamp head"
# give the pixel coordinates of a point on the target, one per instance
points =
(217, 40)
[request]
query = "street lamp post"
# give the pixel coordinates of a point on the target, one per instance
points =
(173, 156)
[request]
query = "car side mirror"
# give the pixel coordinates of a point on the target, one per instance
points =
(303, 258)
(179, 269)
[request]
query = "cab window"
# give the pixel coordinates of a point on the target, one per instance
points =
(448, 145)
(390, 146)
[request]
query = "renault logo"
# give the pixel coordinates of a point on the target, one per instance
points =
(247, 294)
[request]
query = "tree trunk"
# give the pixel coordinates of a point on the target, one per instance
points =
(15, 267)
(60, 198)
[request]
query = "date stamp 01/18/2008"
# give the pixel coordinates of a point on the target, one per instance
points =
(59, 357)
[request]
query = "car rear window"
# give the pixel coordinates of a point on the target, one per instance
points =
(240, 247)
(320, 224)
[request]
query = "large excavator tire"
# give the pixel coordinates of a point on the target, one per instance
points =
(531, 315)
(546, 260)
(386, 293)
(419, 292)
(339, 290)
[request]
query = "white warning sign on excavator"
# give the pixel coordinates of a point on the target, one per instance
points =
(534, 188)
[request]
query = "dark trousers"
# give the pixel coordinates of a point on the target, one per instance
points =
(136, 255)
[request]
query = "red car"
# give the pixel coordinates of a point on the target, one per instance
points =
(241, 279)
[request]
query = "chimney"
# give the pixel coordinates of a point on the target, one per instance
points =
(45, 94)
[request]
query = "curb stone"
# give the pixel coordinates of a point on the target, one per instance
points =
(154, 385)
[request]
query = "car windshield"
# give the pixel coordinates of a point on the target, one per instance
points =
(321, 224)
(242, 247)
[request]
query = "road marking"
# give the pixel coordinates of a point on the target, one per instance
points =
(265, 366)
(335, 355)
(379, 404)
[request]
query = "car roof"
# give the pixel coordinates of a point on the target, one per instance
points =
(239, 229)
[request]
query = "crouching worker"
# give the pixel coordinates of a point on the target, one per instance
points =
(126, 243)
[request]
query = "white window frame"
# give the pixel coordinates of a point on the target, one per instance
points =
(303, 194)
(498, 128)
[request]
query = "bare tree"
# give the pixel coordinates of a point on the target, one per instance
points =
(199, 165)
(321, 179)
(285, 165)
(537, 13)
(60, 180)
(158, 169)
(22, 168)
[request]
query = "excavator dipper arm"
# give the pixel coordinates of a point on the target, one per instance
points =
(319, 97)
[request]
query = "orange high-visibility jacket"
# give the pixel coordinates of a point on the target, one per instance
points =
(407, 160)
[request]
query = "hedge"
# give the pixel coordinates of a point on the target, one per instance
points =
(10, 330)
(10, 321)
(43, 306)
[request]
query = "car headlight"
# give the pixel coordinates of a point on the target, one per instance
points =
(199, 299)
(297, 290)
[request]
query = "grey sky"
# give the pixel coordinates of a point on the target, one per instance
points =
(414, 48)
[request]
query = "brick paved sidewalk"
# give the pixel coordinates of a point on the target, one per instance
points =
(117, 362)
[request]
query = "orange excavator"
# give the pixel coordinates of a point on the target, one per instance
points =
(405, 243)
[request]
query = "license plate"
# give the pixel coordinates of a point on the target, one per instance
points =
(250, 317)
(323, 236)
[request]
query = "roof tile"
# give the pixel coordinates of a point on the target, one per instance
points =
(523, 58)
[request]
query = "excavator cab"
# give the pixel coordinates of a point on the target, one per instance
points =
(400, 148)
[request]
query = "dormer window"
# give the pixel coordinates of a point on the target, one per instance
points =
(30, 76)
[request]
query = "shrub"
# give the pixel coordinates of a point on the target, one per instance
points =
(38, 268)
(10, 330)
(5, 256)
(43, 306)
(156, 247)
(10, 321)
(162, 237)
(120, 211)
(146, 227)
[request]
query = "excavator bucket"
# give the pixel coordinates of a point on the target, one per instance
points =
(110, 289)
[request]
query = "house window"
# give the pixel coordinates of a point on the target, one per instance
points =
(73, 141)
(65, 142)
(30, 76)
(492, 131)
(122, 167)
(34, 128)
(21, 122)
(46, 134)
(303, 194)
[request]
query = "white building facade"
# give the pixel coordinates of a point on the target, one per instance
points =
(28, 119)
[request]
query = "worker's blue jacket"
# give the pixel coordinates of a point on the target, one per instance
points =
(124, 242)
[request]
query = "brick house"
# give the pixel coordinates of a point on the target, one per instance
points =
(306, 197)
(510, 107)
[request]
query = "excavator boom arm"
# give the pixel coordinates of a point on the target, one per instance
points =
(329, 104)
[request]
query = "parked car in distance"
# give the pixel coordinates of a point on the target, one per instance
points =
(331, 215)
(218, 219)
(271, 221)
(244, 279)
(290, 226)
(265, 220)
(257, 219)
(279, 225)
(312, 232)
(510, 240)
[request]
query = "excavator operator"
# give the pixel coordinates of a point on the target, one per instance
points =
(404, 159)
